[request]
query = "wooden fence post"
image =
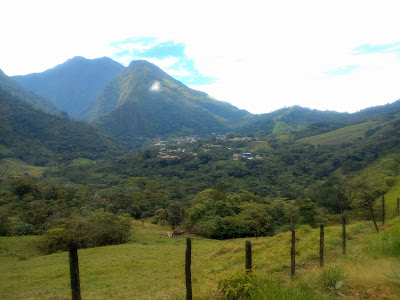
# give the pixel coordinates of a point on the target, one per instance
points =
(343, 235)
(398, 208)
(321, 246)
(383, 210)
(293, 254)
(74, 272)
(187, 269)
(248, 257)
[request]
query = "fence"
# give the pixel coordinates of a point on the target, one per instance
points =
(75, 285)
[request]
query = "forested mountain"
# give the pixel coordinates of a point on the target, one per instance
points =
(287, 119)
(74, 85)
(40, 138)
(11, 85)
(144, 101)
(311, 121)
(378, 112)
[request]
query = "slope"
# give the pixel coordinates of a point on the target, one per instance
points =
(37, 101)
(346, 134)
(74, 85)
(144, 101)
(287, 119)
(39, 138)
(153, 266)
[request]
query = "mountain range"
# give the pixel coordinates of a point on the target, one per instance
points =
(142, 101)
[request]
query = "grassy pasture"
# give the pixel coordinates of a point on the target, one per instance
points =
(151, 266)
(15, 167)
(343, 135)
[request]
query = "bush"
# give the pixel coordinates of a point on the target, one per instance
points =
(104, 228)
(55, 239)
(98, 228)
(22, 228)
(238, 286)
(249, 286)
(332, 277)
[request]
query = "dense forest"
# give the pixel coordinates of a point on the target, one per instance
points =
(175, 156)
(220, 187)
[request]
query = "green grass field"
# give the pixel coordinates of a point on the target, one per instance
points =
(281, 127)
(17, 167)
(343, 135)
(151, 265)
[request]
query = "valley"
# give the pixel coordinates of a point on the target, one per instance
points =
(90, 148)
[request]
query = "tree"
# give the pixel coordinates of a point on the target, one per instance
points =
(307, 211)
(175, 214)
(364, 196)
(24, 185)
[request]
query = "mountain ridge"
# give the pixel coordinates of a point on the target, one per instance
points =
(74, 85)
(144, 101)
(40, 138)
(10, 84)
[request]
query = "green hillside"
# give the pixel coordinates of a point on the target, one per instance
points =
(153, 266)
(39, 138)
(343, 135)
(144, 101)
(11, 85)
(287, 119)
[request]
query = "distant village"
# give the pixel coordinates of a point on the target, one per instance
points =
(165, 153)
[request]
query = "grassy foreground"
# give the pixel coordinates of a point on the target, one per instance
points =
(151, 266)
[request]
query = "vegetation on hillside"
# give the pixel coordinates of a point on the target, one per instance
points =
(74, 85)
(146, 102)
(64, 181)
(11, 85)
(42, 139)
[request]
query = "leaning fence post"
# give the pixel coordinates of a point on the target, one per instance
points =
(248, 257)
(187, 269)
(343, 235)
(293, 254)
(383, 210)
(74, 272)
(321, 246)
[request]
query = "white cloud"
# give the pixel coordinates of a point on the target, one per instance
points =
(264, 54)
(155, 86)
(163, 63)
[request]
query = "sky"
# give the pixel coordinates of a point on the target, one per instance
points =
(257, 55)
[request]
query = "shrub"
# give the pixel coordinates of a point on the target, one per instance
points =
(104, 228)
(98, 228)
(237, 286)
(160, 217)
(386, 243)
(22, 228)
(249, 286)
(332, 277)
(55, 239)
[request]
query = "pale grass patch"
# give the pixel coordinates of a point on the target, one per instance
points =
(372, 272)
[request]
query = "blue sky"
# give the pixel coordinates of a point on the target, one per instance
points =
(382, 48)
(259, 55)
(179, 65)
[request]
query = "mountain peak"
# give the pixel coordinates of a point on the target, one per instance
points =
(74, 85)
(141, 64)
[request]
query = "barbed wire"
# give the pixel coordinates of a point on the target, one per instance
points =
(83, 285)
(81, 262)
